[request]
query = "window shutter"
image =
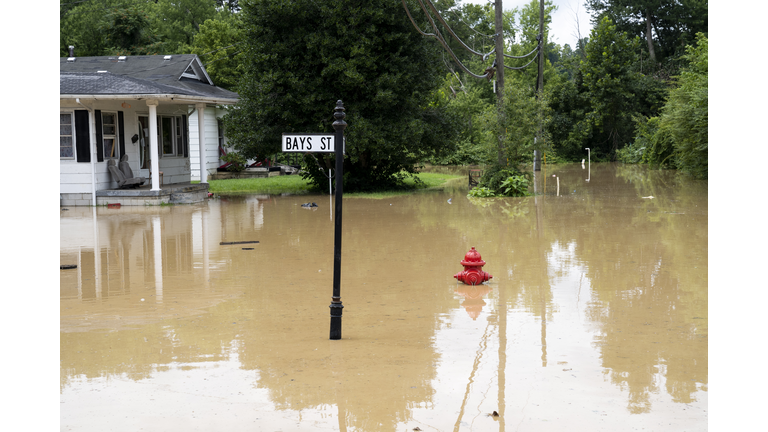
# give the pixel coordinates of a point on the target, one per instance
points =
(121, 132)
(184, 131)
(99, 137)
(82, 136)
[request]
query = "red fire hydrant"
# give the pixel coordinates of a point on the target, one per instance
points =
(472, 273)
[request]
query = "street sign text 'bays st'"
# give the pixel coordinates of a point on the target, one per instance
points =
(309, 142)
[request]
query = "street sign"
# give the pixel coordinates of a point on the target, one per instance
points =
(309, 142)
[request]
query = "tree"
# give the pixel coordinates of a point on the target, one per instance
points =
(669, 24)
(686, 113)
(678, 137)
(127, 32)
(220, 45)
(303, 56)
(608, 79)
(177, 21)
(81, 25)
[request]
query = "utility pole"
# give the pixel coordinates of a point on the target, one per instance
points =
(500, 79)
(539, 85)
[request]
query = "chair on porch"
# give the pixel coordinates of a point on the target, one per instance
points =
(122, 182)
(126, 169)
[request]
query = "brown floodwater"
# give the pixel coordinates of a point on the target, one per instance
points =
(595, 318)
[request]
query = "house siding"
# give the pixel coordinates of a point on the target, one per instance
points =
(75, 177)
(212, 161)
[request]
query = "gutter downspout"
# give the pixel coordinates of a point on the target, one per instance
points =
(92, 139)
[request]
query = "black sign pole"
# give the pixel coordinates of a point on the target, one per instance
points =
(336, 307)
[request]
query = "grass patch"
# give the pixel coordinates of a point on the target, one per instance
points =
(294, 184)
(431, 181)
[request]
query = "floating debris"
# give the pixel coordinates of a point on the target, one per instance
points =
(309, 205)
(237, 242)
(247, 248)
(67, 266)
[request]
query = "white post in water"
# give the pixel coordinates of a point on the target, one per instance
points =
(589, 163)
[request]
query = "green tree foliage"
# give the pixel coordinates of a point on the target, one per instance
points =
(304, 55)
(678, 138)
(607, 74)
(107, 27)
(220, 45)
(127, 32)
(82, 25)
(686, 111)
(177, 21)
(673, 22)
(608, 91)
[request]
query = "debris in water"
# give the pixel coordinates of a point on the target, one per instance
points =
(237, 242)
(449, 200)
(648, 197)
(247, 248)
(494, 414)
(67, 266)
(309, 205)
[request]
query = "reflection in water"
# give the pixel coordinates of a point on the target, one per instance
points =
(473, 298)
(597, 311)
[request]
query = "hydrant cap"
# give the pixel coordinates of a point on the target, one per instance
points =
(473, 258)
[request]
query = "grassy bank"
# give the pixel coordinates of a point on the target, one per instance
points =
(294, 184)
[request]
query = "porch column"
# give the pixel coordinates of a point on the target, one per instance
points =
(153, 147)
(201, 141)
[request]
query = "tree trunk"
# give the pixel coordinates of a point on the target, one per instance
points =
(649, 36)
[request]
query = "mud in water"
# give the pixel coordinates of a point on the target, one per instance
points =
(596, 314)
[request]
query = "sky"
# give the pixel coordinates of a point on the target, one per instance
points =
(563, 30)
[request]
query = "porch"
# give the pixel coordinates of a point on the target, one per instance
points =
(178, 193)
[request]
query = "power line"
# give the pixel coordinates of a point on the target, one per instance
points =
(440, 39)
(447, 27)
(469, 26)
(526, 65)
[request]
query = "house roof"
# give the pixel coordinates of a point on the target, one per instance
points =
(181, 77)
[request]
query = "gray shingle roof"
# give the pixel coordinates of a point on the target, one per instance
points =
(138, 75)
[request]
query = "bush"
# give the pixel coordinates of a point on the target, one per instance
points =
(515, 186)
(497, 175)
(237, 161)
(481, 192)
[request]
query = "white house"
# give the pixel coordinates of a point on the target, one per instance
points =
(146, 107)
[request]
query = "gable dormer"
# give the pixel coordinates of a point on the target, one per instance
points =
(196, 71)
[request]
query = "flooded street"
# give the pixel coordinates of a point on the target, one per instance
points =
(595, 318)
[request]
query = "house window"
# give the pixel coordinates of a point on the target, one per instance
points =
(170, 134)
(108, 130)
(66, 141)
